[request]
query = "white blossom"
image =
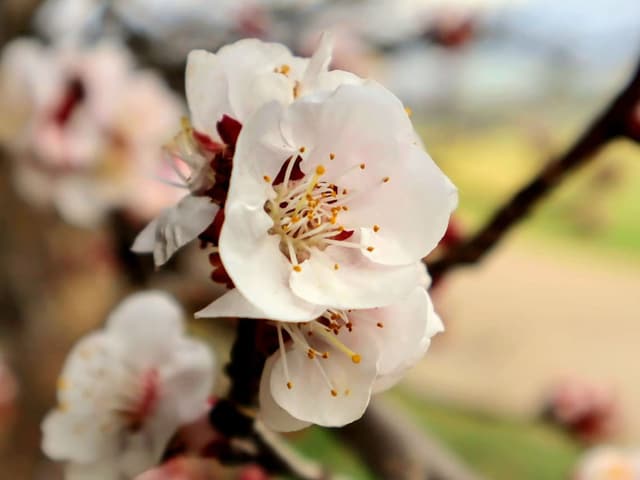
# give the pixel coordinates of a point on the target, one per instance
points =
(124, 391)
(223, 91)
(332, 202)
(84, 127)
(326, 370)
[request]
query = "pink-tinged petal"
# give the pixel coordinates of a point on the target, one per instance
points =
(207, 91)
(330, 392)
(176, 226)
(343, 278)
(272, 414)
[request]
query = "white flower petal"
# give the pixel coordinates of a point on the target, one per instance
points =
(423, 199)
(177, 226)
(356, 283)
(75, 437)
(144, 322)
(272, 414)
(231, 304)
(310, 399)
(404, 336)
(259, 271)
(190, 370)
(207, 91)
(145, 242)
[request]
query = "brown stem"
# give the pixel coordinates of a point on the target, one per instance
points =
(394, 448)
(616, 121)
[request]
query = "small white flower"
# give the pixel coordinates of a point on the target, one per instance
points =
(326, 370)
(332, 202)
(125, 390)
(223, 91)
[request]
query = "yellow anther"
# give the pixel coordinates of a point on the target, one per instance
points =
(355, 358)
(267, 178)
(379, 324)
(345, 208)
(362, 166)
(320, 170)
(325, 355)
(289, 385)
(284, 69)
(336, 266)
(297, 268)
(408, 110)
(376, 228)
(347, 392)
(295, 218)
(302, 149)
(311, 354)
(332, 156)
(334, 393)
(370, 249)
(386, 179)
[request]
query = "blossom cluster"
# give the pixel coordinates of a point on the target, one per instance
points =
(83, 126)
(319, 202)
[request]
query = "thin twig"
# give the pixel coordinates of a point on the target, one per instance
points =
(616, 121)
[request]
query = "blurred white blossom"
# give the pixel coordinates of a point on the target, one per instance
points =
(125, 390)
(84, 128)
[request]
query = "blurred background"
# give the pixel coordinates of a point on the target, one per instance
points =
(539, 359)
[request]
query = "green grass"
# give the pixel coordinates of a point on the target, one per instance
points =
(498, 448)
(320, 445)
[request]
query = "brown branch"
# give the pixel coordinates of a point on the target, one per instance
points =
(618, 120)
(394, 448)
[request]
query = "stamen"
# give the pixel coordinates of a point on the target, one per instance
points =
(355, 358)
(267, 178)
(283, 352)
(386, 179)
(376, 228)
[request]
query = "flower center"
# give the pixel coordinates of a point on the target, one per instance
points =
(306, 212)
(145, 402)
(308, 337)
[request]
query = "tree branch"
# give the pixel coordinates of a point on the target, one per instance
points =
(618, 120)
(394, 448)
